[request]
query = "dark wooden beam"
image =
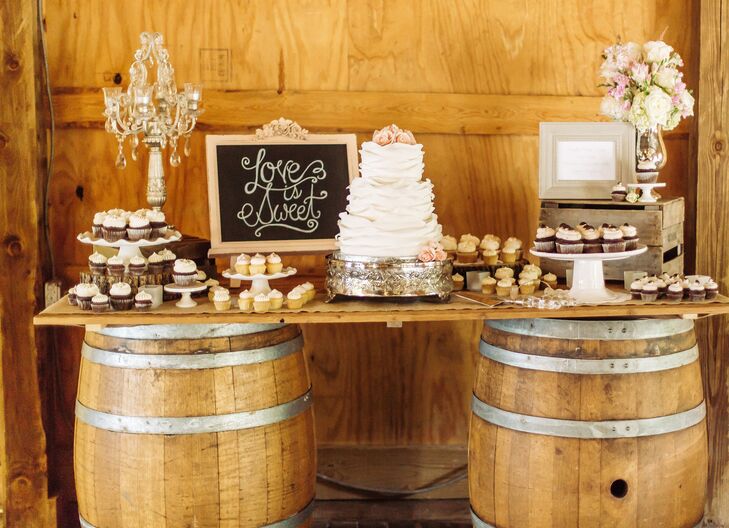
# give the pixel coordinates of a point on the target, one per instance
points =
(23, 466)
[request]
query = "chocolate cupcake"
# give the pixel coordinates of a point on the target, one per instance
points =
(649, 293)
(568, 240)
(143, 301)
(97, 225)
(674, 293)
(115, 266)
(545, 239)
(630, 235)
(158, 223)
(99, 303)
(612, 239)
(72, 296)
(84, 293)
(114, 228)
(591, 239)
(169, 259)
(97, 263)
(155, 263)
(139, 227)
(712, 289)
(120, 294)
(137, 265)
(619, 192)
(636, 288)
(697, 292)
(184, 272)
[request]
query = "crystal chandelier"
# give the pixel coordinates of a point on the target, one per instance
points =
(155, 112)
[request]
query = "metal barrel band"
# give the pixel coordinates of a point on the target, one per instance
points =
(290, 522)
(600, 330)
(480, 523)
(192, 424)
(193, 331)
(110, 358)
(585, 429)
(589, 366)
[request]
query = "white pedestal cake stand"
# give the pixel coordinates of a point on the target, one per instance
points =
(588, 281)
(259, 283)
(128, 248)
(186, 301)
(646, 194)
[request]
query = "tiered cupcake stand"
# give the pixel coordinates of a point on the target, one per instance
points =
(259, 282)
(588, 281)
(128, 248)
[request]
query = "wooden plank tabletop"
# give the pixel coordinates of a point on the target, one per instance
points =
(348, 311)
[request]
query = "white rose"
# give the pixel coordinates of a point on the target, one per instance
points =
(637, 114)
(666, 77)
(656, 51)
(633, 50)
(686, 101)
(611, 107)
(658, 106)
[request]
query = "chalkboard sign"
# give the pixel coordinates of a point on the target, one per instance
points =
(278, 193)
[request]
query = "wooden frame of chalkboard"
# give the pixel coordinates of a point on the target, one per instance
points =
(278, 194)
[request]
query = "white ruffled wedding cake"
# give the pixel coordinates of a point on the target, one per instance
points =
(390, 211)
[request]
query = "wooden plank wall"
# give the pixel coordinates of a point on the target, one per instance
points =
(471, 78)
(712, 229)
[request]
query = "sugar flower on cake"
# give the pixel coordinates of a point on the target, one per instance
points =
(393, 134)
(433, 252)
(645, 86)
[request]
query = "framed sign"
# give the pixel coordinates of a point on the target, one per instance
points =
(584, 160)
(281, 189)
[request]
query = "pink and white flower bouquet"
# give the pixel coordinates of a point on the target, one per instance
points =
(645, 86)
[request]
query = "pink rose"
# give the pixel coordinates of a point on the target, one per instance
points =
(640, 72)
(427, 254)
(440, 255)
(406, 137)
(383, 137)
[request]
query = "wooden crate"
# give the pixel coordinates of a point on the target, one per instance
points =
(660, 227)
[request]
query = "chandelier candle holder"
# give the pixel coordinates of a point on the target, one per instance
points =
(155, 114)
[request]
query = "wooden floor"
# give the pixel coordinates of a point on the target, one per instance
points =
(447, 513)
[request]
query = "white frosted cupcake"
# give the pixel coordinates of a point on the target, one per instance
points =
(120, 294)
(544, 239)
(295, 299)
(276, 298)
(245, 301)
(169, 259)
(503, 273)
(309, 291)
(114, 228)
(97, 263)
(100, 303)
(138, 227)
(468, 237)
(242, 263)
(97, 225)
(568, 240)
(84, 293)
(157, 222)
(503, 287)
(273, 264)
(630, 235)
(72, 296)
(221, 299)
(612, 239)
(156, 263)
(115, 266)
(184, 272)
(261, 303)
(450, 244)
(143, 301)
(137, 265)
(211, 284)
(466, 252)
(257, 265)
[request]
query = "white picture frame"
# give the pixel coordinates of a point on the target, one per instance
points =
(583, 161)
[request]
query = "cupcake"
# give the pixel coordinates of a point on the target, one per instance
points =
(697, 292)
(72, 297)
(490, 257)
(568, 240)
(294, 300)
(157, 223)
(221, 299)
(493, 238)
(143, 301)
(662, 287)
(138, 227)
(257, 265)
(245, 301)
(137, 265)
(527, 286)
(309, 291)
(503, 273)
(470, 238)
(488, 285)
(184, 272)
(712, 289)
(630, 235)
(261, 303)
(211, 292)
(211, 284)
(301, 291)
(97, 263)
(466, 252)
(508, 255)
(515, 244)
(636, 289)
(550, 279)
(591, 240)
(156, 263)
(114, 228)
(649, 292)
(273, 264)
(674, 293)
(503, 287)
(532, 268)
(201, 276)
(84, 293)
(116, 212)
(276, 298)
(458, 282)
(619, 192)
(169, 260)
(529, 275)
(242, 263)
(449, 246)
(99, 303)
(115, 266)
(544, 239)
(686, 285)
(121, 296)
(97, 225)
(612, 239)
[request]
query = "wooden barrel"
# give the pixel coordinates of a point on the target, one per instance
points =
(588, 424)
(194, 426)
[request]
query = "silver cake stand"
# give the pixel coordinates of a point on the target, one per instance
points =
(387, 277)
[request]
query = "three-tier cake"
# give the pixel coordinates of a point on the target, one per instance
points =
(389, 236)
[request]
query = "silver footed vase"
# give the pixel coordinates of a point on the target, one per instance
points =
(650, 154)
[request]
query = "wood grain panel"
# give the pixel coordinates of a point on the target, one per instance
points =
(712, 230)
